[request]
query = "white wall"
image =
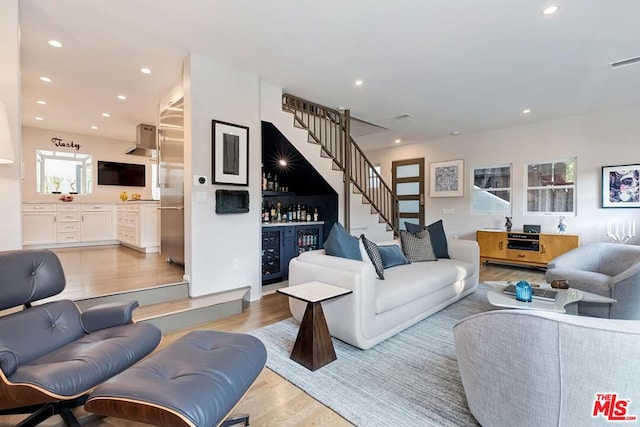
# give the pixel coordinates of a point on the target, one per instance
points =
(596, 140)
(212, 242)
(110, 150)
(10, 202)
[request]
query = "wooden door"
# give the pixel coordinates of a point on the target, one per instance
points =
(407, 180)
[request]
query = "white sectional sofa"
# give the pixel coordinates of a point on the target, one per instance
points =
(378, 309)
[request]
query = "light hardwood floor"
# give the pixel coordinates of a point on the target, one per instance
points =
(273, 401)
(100, 270)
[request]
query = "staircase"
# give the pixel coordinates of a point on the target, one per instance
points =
(329, 129)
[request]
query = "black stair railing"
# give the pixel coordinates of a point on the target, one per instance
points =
(327, 128)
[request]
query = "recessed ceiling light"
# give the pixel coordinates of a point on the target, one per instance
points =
(398, 141)
(550, 10)
(55, 43)
(145, 70)
(106, 115)
(122, 97)
(45, 79)
(41, 102)
(359, 82)
(94, 127)
(455, 132)
(526, 111)
(39, 118)
(283, 162)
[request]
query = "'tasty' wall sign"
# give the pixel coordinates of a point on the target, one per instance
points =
(58, 142)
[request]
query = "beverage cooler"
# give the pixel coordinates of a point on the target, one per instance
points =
(272, 249)
(281, 243)
(308, 238)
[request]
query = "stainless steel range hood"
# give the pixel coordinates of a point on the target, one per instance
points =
(145, 141)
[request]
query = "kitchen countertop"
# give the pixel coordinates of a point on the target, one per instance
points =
(77, 202)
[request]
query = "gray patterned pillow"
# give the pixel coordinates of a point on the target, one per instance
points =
(374, 255)
(417, 248)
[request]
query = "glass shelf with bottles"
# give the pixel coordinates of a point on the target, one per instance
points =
(271, 184)
(278, 193)
(279, 213)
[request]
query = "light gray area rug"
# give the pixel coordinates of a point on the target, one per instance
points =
(411, 379)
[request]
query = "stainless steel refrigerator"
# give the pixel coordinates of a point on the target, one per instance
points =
(171, 181)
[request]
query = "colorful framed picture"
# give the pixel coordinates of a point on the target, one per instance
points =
(621, 186)
(447, 179)
(230, 153)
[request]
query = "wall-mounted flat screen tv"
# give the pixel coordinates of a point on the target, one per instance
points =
(125, 174)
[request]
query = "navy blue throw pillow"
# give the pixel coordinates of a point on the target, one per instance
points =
(392, 255)
(414, 228)
(438, 239)
(342, 244)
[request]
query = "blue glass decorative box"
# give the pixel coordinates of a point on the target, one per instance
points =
(523, 291)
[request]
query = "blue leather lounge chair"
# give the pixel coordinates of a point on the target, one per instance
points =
(52, 355)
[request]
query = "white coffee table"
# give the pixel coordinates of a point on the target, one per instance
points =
(565, 303)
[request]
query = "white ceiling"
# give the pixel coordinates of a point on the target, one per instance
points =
(453, 65)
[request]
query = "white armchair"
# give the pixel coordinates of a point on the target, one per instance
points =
(608, 269)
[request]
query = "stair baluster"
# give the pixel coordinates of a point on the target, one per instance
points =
(330, 129)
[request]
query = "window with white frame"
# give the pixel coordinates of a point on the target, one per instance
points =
(551, 187)
(374, 178)
(491, 192)
(63, 172)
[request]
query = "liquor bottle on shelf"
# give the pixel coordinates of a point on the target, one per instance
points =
(264, 181)
(299, 212)
(289, 214)
(269, 182)
(276, 184)
(303, 213)
(315, 214)
(272, 213)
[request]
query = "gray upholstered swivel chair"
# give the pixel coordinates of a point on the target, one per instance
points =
(608, 269)
(52, 355)
(534, 368)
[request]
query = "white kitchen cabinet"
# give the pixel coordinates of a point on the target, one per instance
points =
(138, 226)
(67, 224)
(39, 224)
(96, 223)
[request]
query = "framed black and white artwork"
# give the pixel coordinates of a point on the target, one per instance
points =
(230, 153)
(447, 179)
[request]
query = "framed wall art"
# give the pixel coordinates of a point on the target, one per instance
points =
(447, 179)
(230, 153)
(621, 186)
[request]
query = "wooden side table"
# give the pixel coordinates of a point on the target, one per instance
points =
(313, 347)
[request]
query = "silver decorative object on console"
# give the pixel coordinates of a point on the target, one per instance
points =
(621, 231)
